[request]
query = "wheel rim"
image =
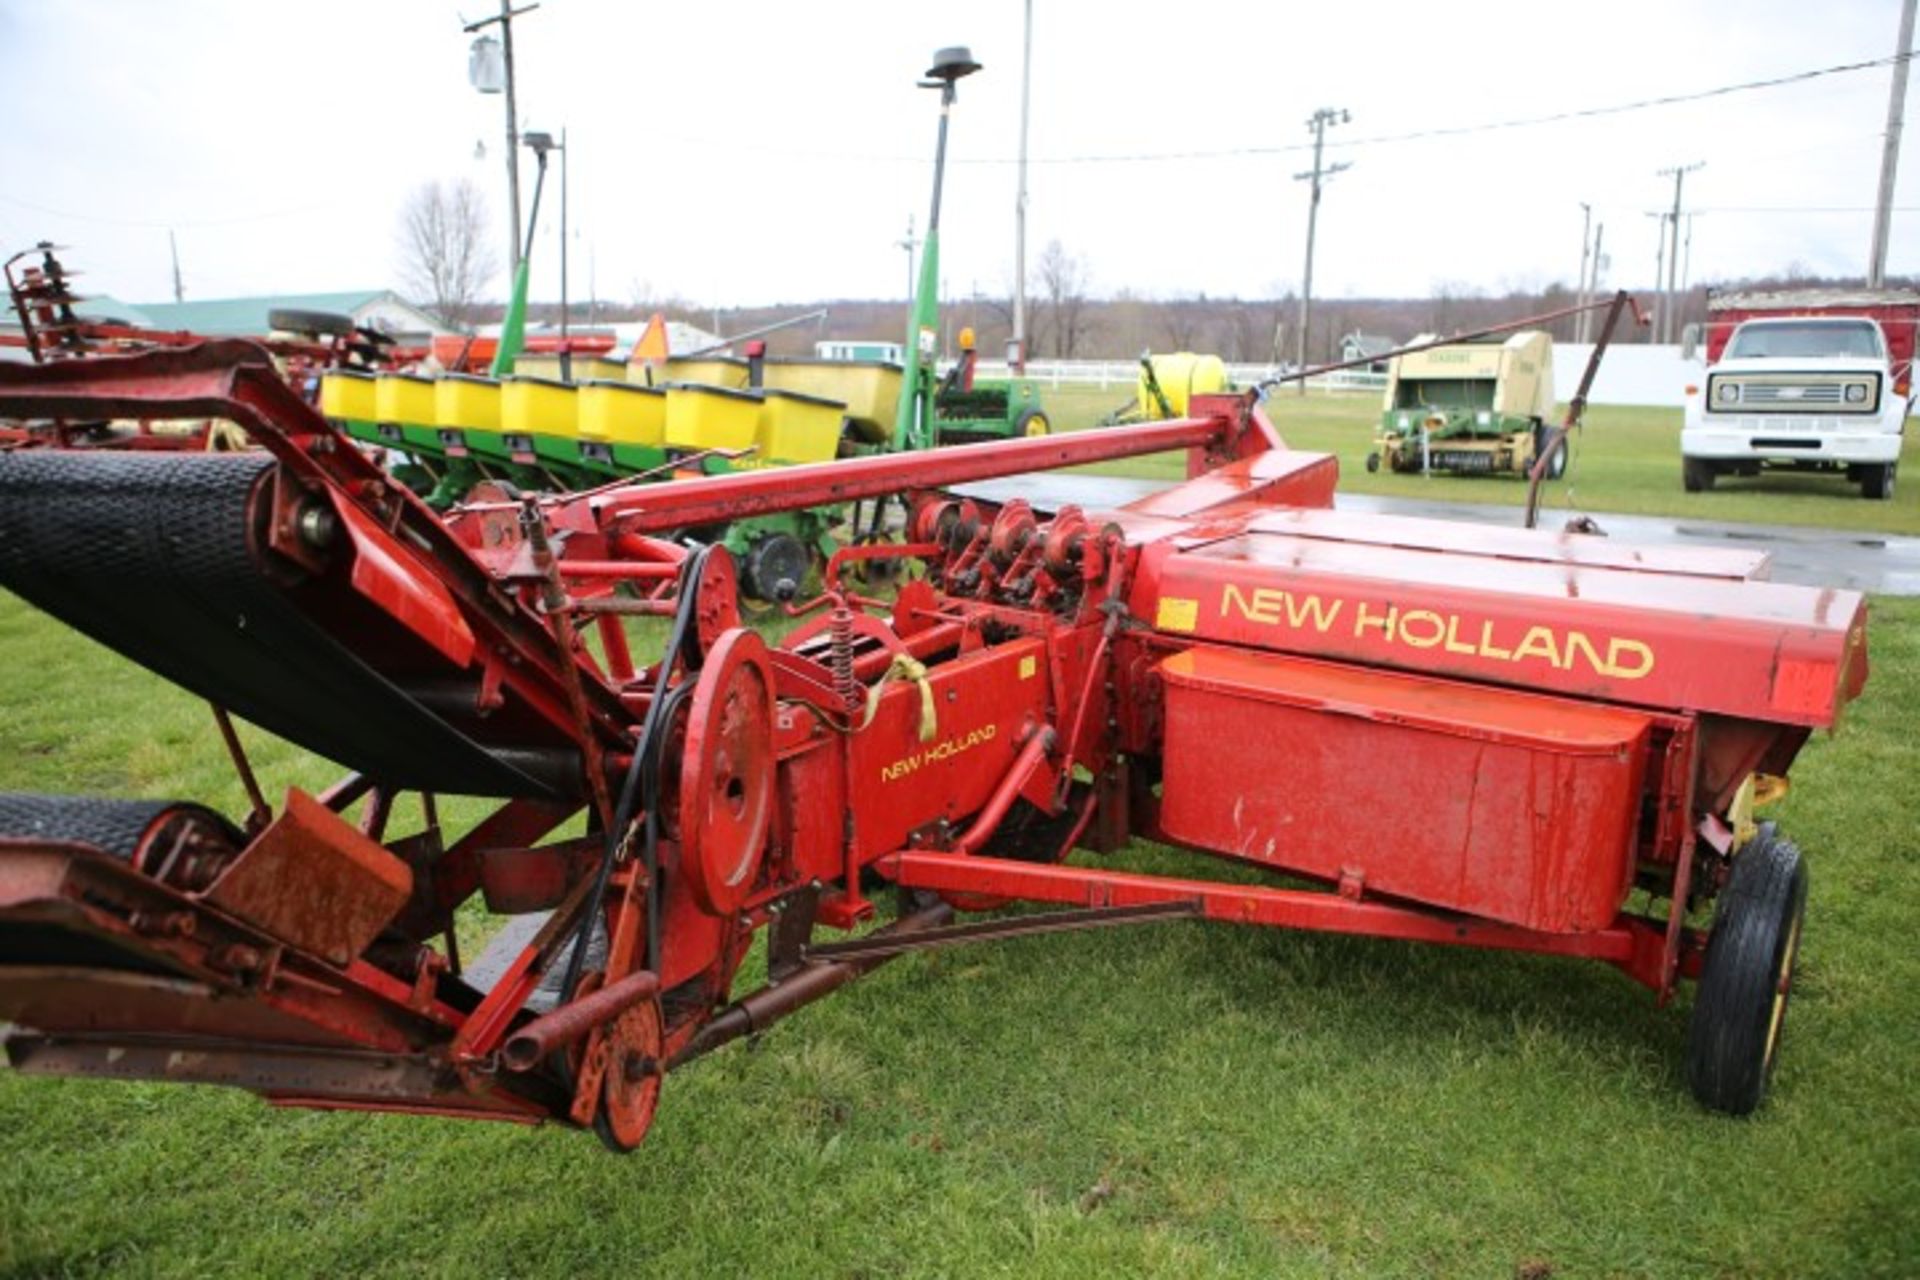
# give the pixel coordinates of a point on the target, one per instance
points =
(630, 1090)
(726, 776)
(1782, 988)
(1037, 425)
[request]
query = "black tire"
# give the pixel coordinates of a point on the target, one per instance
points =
(1557, 464)
(1747, 975)
(1877, 482)
(1032, 423)
(1696, 475)
(316, 324)
(1373, 463)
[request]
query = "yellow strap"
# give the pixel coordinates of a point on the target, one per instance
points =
(905, 667)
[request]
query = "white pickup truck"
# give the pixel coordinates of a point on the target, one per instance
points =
(1808, 381)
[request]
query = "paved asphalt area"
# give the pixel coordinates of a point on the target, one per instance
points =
(1882, 563)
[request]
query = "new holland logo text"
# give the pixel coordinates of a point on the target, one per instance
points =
(1565, 649)
(946, 749)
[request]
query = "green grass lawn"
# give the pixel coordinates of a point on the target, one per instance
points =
(1175, 1099)
(1624, 459)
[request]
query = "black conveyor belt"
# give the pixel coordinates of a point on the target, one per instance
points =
(111, 826)
(150, 554)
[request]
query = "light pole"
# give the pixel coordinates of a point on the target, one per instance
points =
(912, 429)
(513, 328)
(1017, 345)
(1317, 122)
(490, 70)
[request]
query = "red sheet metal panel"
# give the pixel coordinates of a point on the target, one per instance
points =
(1284, 477)
(410, 591)
(1511, 543)
(899, 782)
(1509, 806)
(1761, 650)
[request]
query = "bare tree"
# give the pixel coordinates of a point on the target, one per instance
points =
(1180, 323)
(1063, 289)
(446, 255)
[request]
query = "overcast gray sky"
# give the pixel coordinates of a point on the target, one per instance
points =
(762, 151)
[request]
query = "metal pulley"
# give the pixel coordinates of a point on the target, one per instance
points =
(727, 773)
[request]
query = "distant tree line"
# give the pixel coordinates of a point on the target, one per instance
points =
(1067, 320)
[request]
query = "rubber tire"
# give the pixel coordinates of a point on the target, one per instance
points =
(1557, 464)
(1373, 463)
(1696, 475)
(1032, 423)
(1876, 482)
(317, 324)
(1734, 1039)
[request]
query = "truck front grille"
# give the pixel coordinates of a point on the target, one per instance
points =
(1811, 393)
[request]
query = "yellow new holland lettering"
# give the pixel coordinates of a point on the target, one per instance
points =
(1617, 657)
(943, 750)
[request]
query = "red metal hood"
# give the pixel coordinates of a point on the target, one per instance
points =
(1674, 629)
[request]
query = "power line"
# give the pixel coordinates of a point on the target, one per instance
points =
(1454, 131)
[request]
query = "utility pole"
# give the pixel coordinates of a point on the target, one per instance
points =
(1667, 313)
(1599, 265)
(1317, 122)
(909, 244)
(1890, 157)
(566, 347)
(1686, 259)
(1017, 346)
(1659, 270)
(179, 290)
(1580, 290)
(484, 82)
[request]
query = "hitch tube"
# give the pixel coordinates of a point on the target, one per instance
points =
(776, 1000)
(529, 1046)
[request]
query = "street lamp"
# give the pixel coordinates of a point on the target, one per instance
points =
(909, 430)
(513, 326)
(540, 144)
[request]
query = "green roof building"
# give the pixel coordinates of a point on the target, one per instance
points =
(380, 309)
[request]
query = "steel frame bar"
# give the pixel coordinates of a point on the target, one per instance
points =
(1630, 944)
(658, 508)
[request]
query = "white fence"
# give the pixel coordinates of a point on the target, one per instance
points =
(1126, 373)
(1634, 374)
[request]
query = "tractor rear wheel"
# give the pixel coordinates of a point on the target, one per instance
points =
(312, 324)
(1747, 975)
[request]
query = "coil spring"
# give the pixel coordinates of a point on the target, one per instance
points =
(840, 659)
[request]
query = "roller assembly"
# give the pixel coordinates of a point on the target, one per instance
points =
(1469, 736)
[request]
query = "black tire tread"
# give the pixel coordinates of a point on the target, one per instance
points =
(323, 324)
(1727, 1066)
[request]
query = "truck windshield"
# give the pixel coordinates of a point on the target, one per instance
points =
(1812, 338)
